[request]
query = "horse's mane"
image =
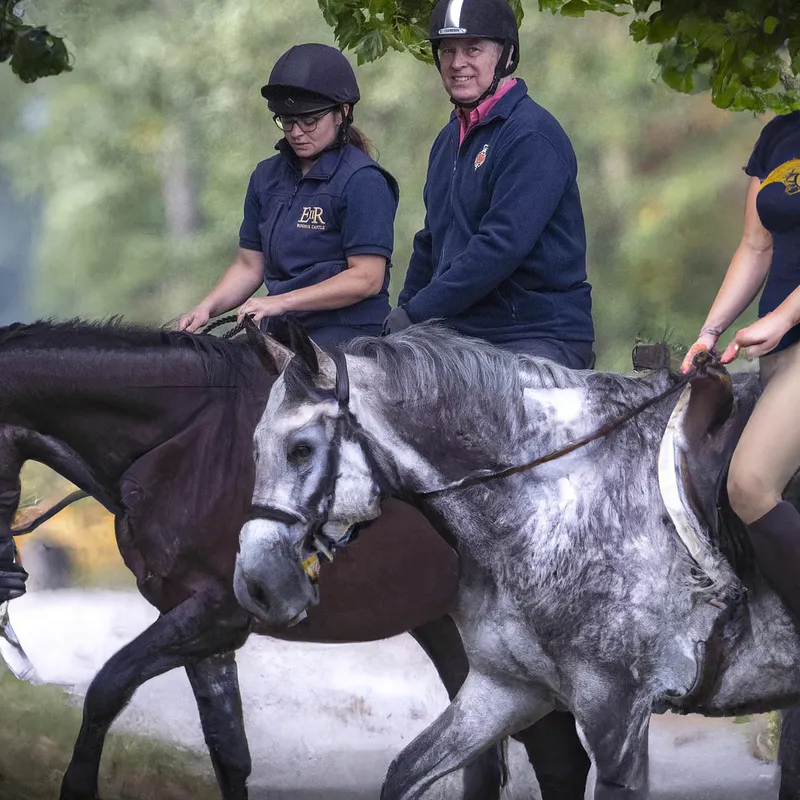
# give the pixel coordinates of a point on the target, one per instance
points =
(432, 358)
(220, 357)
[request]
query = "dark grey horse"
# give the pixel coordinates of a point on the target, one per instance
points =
(588, 582)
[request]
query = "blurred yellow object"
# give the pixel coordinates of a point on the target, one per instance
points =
(310, 566)
(86, 530)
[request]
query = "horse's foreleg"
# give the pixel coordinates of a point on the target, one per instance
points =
(616, 732)
(191, 630)
(215, 684)
(481, 715)
(441, 641)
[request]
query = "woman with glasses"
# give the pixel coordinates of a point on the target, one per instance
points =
(318, 216)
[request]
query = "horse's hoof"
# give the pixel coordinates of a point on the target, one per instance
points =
(70, 794)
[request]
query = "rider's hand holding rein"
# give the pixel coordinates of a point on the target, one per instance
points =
(746, 274)
(705, 343)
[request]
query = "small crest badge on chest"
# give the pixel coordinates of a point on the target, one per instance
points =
(481, 157)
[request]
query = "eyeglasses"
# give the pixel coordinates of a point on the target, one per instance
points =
(306, 124)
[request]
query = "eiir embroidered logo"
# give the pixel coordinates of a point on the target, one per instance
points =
(481, 157)
(311, 219)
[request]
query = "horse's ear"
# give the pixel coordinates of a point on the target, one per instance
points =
(302, 345)
(311, 354)
(274, 356)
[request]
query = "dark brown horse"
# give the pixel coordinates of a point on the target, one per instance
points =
(158, 427)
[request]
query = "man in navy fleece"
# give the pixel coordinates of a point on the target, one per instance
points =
(502, 255)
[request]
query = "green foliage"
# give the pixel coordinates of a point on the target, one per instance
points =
(747, 52)
(34, 52)
(371, 28)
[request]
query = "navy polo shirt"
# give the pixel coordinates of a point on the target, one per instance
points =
(776, 162)
(502, 255)
(308, 225)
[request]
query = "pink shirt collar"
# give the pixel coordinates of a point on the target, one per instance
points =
(469, 119)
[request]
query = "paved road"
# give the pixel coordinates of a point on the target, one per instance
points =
(325, 720)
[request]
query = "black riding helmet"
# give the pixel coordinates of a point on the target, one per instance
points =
(309, 78)
(477, 19)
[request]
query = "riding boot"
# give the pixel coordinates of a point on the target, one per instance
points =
(776, 543)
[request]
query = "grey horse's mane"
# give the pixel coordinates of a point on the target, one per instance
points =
(431, 358)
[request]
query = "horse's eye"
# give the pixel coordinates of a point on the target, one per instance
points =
(299, 453)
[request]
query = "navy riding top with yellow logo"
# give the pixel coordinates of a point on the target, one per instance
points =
(308, 225)
(776, 163)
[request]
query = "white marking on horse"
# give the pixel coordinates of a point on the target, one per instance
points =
(567, 406)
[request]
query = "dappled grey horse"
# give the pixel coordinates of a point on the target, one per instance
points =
(589, 582)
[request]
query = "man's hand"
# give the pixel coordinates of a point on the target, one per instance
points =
(259, 307)
(398, 320)
(759, 338)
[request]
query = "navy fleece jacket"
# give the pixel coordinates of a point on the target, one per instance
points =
(502, 255)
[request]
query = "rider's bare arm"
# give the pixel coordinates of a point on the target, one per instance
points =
(240, 280)
(747, 271)
(363, 278)
(745, 276)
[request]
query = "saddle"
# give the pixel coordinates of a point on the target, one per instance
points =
(695, 453)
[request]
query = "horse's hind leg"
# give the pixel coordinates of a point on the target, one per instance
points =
(195, 629)
(481, 715)
(557, 756)
(441, 641)
(215, 684)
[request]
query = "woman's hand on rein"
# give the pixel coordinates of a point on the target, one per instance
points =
(259, 307)
(192, 321)
(757, 339)
(705, 342)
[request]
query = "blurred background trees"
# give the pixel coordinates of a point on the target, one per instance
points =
(121, 182)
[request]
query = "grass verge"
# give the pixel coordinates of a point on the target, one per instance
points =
(38, 728)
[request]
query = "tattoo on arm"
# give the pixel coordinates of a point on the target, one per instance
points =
(713, 331)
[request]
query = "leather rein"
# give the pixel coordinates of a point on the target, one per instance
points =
(322, 545)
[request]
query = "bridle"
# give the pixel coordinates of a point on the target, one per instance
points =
(347, 425)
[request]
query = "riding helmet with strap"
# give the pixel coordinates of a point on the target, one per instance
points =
(308, 78)
(477, 19)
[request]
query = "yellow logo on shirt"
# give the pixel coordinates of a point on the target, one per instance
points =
(311, 219)
(788, 174)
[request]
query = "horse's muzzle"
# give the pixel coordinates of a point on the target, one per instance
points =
(269, 582)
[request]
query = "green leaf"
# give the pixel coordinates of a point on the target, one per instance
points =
(770, 23)
(662, 27)
(574, 8)
(638, 30)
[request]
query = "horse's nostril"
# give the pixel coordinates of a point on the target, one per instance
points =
(256, 592)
